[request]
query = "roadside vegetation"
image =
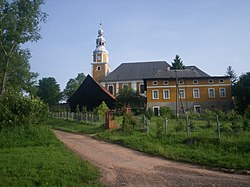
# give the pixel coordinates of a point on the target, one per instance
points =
(203, 145)
(31, 155)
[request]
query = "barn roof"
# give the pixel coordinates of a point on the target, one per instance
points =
(90, 94)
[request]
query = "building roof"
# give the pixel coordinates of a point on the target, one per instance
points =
(136, 71)
(90, 94)
(189, 72)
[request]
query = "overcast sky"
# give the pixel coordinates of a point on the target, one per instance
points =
(210, 34)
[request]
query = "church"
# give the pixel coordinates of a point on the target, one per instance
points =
(189, 89)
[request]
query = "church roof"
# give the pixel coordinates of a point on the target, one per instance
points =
(136, 71)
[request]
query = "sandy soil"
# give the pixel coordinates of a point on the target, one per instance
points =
(125, 167)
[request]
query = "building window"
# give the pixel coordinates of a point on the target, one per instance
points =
(181, 93)
(181, 81)
(155, 94)
(195, 81)
(210, 81)
(156, 110)
(98, 68)
(142, 89)
(166, 94)
(124, 85)
(196, 93)
(111, 89)
(222, 92)
(211, 93)
(221, 81)
(155, 82)
(197, 109)
(165, 83)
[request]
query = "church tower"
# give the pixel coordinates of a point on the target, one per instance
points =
(100, 65)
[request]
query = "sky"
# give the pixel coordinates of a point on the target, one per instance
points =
(210, 34)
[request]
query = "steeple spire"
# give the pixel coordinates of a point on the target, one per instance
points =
(100, 57)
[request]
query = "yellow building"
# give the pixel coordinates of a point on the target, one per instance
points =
(182, 90)
(188, 90)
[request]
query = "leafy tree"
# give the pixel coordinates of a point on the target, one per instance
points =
(19, 24)
(73, 85)
(177, 63)
(166, 112)
(19, 110)
(230, 72)
(49, 91)
(241, 91)
(128, 97)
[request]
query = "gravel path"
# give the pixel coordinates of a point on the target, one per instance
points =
(125, 167)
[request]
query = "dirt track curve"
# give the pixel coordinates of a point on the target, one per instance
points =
(125, 167)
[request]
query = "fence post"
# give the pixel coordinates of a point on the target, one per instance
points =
(187, 125)
(166, 125)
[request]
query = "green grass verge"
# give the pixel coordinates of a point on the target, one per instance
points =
(32, 156)
(233, 150)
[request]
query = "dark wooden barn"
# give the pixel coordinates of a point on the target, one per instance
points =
(90, 94)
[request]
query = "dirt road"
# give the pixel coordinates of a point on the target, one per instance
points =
(125, 167)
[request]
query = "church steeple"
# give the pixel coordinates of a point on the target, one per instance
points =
(100, 57)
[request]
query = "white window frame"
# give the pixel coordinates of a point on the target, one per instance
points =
(165, 82)
(181, 81)
(124, 84)
(158, 108)
(112, 88)
(210, 81)
(166, 90)
(183, 90)
(209, 93)
(195, 108)
(157, 94)
(141, 84)
(221, 81)
(154, 82)
(194, 93)
(98, 68)
(195, 82)
(222, 95)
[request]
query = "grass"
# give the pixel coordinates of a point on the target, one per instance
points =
(202, 147)
(32, 156)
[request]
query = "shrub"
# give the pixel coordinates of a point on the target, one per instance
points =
(246, 125)
(19, 110)
(149, 113)
(236, 127)
(129, 122)
(159, 128)
(166, 112)
(180, 126)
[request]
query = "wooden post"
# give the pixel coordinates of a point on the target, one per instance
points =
(187, 125)
(166, 125)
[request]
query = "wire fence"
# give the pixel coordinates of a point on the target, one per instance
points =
(88, 117)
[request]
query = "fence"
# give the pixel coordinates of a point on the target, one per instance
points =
(88, 117)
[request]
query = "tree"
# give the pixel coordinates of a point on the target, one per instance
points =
(72, 85)
(49, 91)
(177, 63)
(231, 73)
(128, 96)
(19, 24)
(20, 78)
(241, 90)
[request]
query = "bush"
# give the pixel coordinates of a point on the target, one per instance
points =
(236, 127)
(159, 128)
(246, 125)
(166, 112)
(180, 126)
(129, 123)
(149, 113)
(19, 110)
